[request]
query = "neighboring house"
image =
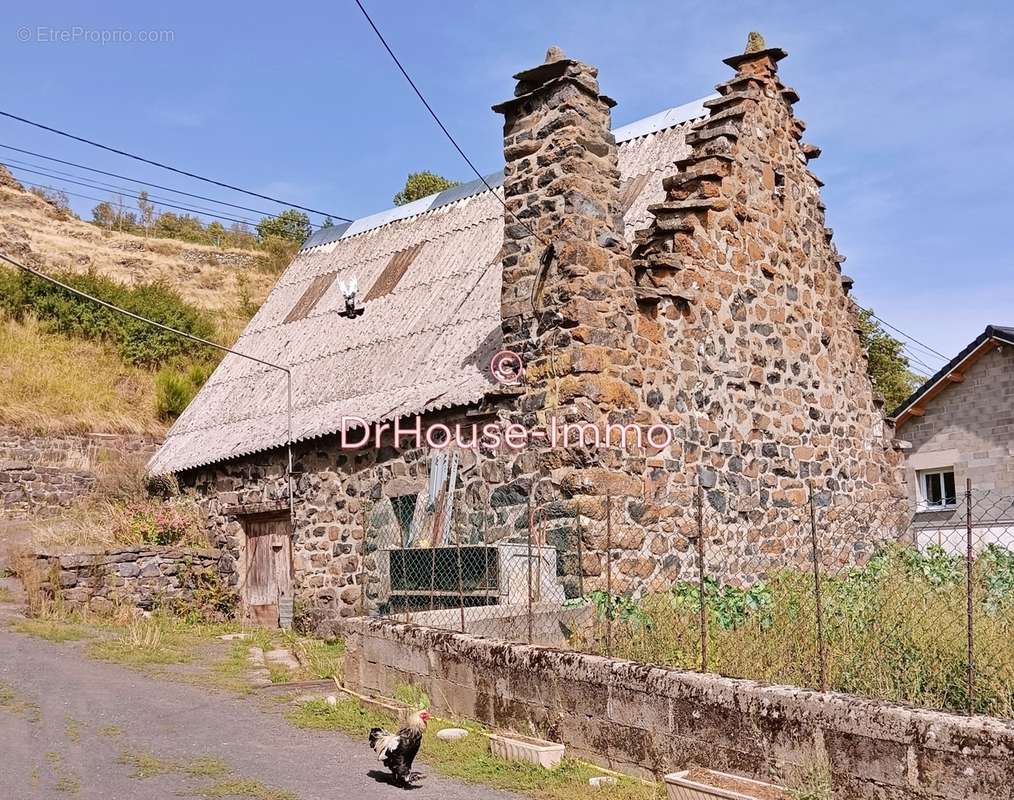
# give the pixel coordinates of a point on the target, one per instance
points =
(960, 425)
(676, 272)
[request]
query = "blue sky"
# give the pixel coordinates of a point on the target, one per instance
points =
(910, 104)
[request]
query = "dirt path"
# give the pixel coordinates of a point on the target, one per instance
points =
(65, 722)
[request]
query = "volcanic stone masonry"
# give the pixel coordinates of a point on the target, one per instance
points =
(729, 321)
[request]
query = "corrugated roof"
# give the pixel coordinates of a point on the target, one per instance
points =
(424, 346)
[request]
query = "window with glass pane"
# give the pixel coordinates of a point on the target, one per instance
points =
(938, 489)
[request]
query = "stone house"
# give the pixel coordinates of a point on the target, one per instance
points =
(959, 427)
(673, 272)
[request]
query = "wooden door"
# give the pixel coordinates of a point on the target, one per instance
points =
(267, 587)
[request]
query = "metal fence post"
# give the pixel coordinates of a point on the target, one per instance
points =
(700, 579)
(609, 575)
(580, 557)
(969, 591)
(531, 523)
(818, 601)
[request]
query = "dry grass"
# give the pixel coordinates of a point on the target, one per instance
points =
(57, 384)
(203, 275)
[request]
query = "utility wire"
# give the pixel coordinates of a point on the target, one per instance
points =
(166, 166)
(135, 180)
(443, 127)
(907, 336)
(122, 190)
(101, 200)
(185, 335)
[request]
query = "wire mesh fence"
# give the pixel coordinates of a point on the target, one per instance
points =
(881, 598)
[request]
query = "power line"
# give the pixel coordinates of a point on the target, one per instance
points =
(440, 123)
(185, 335)
(136, 180)
(101, 200)
(907, 336)
(166, 166)
(124, 191)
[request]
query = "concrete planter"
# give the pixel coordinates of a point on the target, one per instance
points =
(680, 786)
(523, 748)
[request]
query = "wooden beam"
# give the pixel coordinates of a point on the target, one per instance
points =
(955, 377)
(915, 412)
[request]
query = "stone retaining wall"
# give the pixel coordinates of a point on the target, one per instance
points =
(39, 475)
(642, 719)
(142, 576)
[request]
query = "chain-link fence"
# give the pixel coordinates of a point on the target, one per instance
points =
(819, 590)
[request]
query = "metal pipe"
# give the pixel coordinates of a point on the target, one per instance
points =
(191, 337)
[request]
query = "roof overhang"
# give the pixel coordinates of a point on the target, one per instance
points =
(952, 372)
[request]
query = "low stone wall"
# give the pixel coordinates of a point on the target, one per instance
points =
(643, 719)
(39, 475)
(142, 576)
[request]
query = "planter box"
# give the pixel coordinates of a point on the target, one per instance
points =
(706, 784)
(523, 748)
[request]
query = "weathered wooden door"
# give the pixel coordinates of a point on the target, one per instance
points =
(267, 588)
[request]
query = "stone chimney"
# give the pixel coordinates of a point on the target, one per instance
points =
(567, 301)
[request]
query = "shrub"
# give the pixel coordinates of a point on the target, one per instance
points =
(138, 343)
(159, 523)
(175, 387)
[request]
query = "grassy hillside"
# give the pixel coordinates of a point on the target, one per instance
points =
(65, 369)
(55, 383)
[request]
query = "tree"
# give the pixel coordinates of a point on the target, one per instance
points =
(290, 224)
(146, 209)
(328, 222)
(104, 215)
(886, 365)
(421, 184)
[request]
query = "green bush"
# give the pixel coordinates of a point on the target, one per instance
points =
(894, 627)
(138, 343)
(175, 387)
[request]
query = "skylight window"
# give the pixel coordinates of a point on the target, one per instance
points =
(393, 272)
(311, 296)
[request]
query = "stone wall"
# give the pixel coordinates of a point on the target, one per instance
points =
(143, 576)
(646, 720)
(729, 323)
(40, 475)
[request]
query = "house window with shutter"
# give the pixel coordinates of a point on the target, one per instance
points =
(311, 296)
(393, 272)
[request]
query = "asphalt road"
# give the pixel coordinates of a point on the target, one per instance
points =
(67, 747)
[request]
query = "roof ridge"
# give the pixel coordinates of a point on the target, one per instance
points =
(662, 120)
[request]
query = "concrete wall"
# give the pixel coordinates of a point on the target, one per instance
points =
(650, 720)
(970, 426)
(40, 475)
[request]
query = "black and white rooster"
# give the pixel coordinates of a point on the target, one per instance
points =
(397, 751)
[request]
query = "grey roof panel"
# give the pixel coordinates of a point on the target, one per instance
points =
(424, 346)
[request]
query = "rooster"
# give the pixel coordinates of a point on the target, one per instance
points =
(397, 751)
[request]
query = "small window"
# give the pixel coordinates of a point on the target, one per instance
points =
(393, 272)
(936, 488)
(311, 296)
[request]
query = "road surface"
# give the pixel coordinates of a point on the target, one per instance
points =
(70, 719)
